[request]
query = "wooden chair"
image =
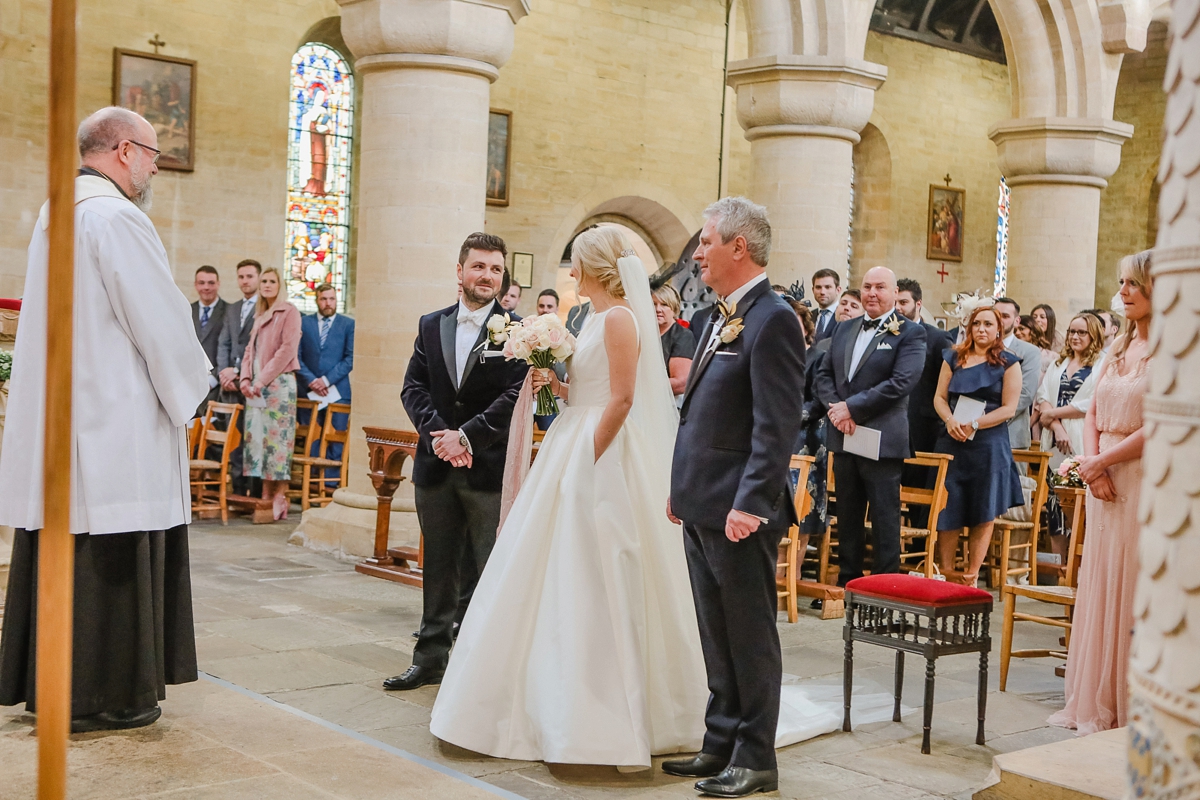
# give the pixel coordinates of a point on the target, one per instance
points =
(934, 499)
(1037, 462)
(306, 434)
(1061, 595)
(314, 483)
(790, 565)
(210, 479)
(194, 436)
(827, 546)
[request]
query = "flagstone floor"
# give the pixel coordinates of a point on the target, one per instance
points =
(306, 631)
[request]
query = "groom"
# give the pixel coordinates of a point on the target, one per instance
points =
(461, 405)
(731, 488)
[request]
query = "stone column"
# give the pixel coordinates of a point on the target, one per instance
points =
(1164, 710)
(802, 116)
(426, 68)
(1056, 168)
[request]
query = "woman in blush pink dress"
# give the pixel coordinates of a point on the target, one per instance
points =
(1097, 694)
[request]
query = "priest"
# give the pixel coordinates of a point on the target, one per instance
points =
(139, 374)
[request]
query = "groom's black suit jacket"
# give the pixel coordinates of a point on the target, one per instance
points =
(740, 417)
(481, 407)
(877, 395)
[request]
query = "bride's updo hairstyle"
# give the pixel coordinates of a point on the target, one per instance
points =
(596, 252)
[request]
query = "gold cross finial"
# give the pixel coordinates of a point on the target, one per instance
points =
(157, 43)
(947, 179)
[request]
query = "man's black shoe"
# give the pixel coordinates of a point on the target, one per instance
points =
(739, 782)
(413, 677)
(818, 604)
(116, 720)
(453, 632)
(703, 765)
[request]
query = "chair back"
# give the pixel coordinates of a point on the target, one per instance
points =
(1078, 533)
(330, 434)
(802, 499)
(1037, 463)
(194, 435)
(229, 438)
(934, 498)
(308, 434)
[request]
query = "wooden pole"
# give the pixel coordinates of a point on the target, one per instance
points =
(56, 547)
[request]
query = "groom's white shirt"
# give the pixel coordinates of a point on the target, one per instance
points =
(734, 298)
(469, 324)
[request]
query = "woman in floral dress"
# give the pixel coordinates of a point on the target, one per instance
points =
(269, 385)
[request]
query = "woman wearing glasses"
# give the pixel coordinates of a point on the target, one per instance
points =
(1066, 391)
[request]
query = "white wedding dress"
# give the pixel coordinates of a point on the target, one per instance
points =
(581, 645)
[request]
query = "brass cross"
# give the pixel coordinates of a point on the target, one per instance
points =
(157, 42)
(947, 179)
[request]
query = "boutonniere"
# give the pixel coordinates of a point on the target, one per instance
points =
(732, 330)
(497, 327)
(893, 326)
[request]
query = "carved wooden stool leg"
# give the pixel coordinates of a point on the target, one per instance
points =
(983, 679)
(847, 681)
(929, 673)
(899, 684)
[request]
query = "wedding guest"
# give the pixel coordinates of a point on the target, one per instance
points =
(208, 317)
(1062, 402)
(1024, 329)
(1027, 330)
(326, 360)
(982, 481)
(678, 343)
(805, 316)
(1045, 322)
(547, 302)
(827, 290)
(812, 441)
(1112, 326)
(1019, 430)
(511, 298)
(268, 383)
(1096, 688)
(849, 306)
(873, 366)
(577, 316)
(235, 335)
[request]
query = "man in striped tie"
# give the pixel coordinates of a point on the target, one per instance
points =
(326, 357)
(208, 316)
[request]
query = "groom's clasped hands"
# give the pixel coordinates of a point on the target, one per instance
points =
(738, 524)
(448, 446)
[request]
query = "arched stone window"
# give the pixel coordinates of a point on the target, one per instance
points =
(320, 148)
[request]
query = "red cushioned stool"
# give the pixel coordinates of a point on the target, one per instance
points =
(917, 615)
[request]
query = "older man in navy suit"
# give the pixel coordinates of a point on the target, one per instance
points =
(731, 487)
(326, 358)
(874, 363)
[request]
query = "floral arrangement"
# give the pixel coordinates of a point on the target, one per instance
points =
(5, 365)
(1067, 475)
(540, 341)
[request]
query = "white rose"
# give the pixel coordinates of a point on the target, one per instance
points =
(557, 337)
(522, 350)
(496, 324)
(561, 353)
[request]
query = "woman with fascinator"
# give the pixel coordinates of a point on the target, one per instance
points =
(581, 643)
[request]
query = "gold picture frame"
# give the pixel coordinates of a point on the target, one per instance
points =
(499, 156)
(163, 90)
(522, 270)
(944, 230)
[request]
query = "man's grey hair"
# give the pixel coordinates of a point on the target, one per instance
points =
(107, 128)
(737, 216)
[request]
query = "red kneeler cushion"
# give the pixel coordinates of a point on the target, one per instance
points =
(10, 305)
(917, 590)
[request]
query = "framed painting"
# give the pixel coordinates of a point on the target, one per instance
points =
(163, 90)
(944, 235)
(522, 269)
(498, 156)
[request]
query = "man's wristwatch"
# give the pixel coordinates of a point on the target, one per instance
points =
(462, 439)
(974, 424)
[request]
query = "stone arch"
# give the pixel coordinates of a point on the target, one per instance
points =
(655, 213)
(872, 221)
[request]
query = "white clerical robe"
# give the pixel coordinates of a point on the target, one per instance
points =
(139, 374)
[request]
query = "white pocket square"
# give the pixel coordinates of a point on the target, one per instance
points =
(884, 347)
(724, 353)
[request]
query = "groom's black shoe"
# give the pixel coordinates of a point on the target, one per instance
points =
(703, 765)
(739, 782)
(413, 677)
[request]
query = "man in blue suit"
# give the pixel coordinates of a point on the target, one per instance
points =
(327, 356)
(874, 364)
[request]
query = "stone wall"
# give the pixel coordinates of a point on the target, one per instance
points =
(1128, 206)
(232, 206)
(933, 114)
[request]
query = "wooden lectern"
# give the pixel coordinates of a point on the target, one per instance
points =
(388, 449)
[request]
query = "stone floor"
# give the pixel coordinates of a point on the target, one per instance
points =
(307, 631)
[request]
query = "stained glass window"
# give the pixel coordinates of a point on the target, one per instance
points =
(320, 124)
(1000, 281)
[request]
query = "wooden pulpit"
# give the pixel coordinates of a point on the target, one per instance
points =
(388, 450)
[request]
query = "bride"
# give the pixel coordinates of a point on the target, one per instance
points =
(581, 645)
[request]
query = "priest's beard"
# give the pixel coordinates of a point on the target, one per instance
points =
(143, 192)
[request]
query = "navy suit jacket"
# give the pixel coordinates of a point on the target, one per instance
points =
(740, 418)
(481, 407)
(334, 361)
(877, 396)
(821, 335)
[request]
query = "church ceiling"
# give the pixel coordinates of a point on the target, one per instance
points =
(968, 26)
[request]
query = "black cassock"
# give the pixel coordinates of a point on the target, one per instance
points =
(133, 629)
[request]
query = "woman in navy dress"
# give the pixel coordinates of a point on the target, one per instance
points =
(982, 482)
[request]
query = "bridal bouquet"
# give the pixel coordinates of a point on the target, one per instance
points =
(540, 341)
(1068, 475)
